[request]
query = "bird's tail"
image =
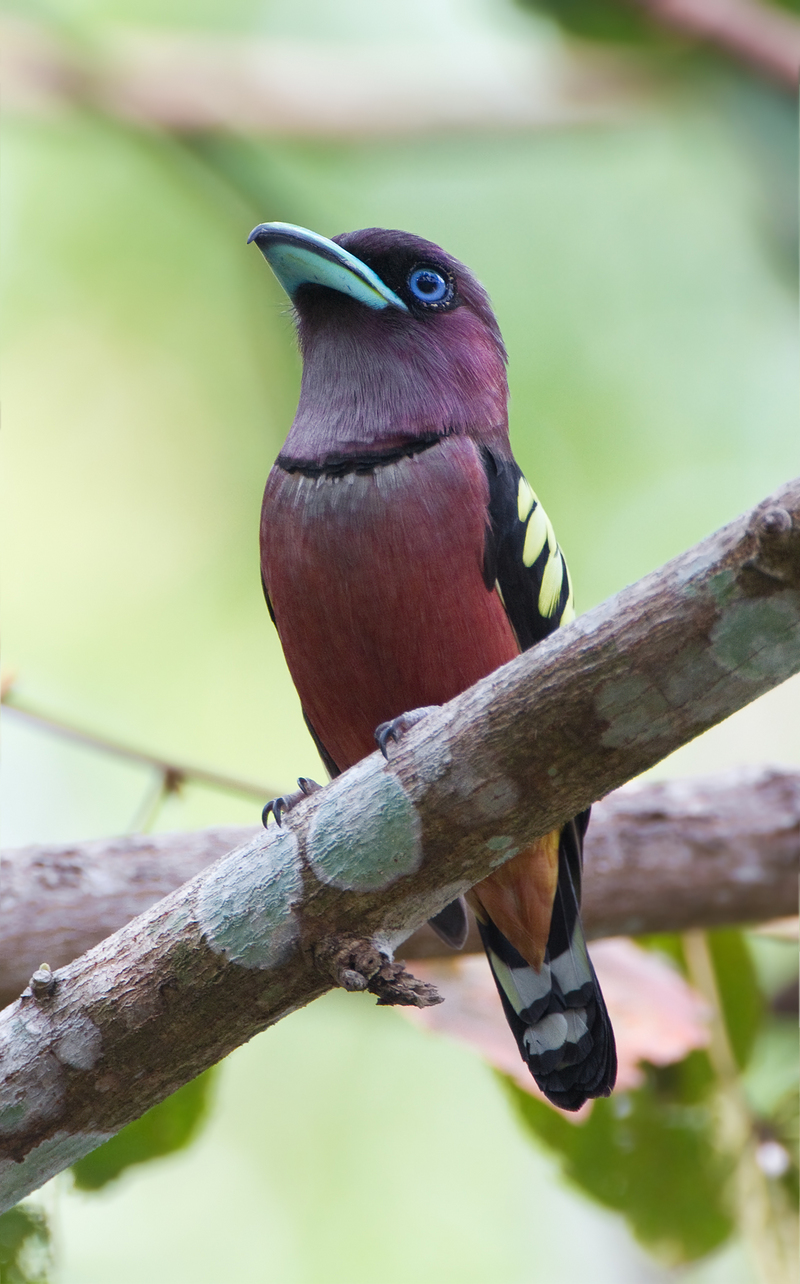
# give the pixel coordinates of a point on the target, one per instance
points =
(557, 1014)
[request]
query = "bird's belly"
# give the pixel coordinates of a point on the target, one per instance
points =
(376, 583)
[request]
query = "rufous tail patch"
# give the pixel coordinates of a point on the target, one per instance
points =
(518, 897)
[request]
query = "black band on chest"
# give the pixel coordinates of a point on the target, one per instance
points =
(365, 462)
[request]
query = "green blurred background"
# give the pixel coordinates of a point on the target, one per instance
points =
(641, 256)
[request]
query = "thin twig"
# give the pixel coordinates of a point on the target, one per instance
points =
(174, 772)
(148, 811)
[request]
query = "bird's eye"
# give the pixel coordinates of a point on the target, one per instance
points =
(429, 285)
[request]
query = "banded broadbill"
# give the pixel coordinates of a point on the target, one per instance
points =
(404, 556)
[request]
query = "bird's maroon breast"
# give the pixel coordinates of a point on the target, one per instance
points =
(376, 584)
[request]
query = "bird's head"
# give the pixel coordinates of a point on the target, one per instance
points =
(398, 340)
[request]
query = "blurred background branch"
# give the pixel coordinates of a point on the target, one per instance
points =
(661, 857)
(191, 83)
(764, 38)
(761, 36)
(196, 84)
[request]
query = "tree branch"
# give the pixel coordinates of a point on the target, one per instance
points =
(659, 858)
(713, 851)
(365, 861)
(189, 82)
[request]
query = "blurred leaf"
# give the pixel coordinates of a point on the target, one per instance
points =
(168, 1127)
(619, 21)
(737, 984)
(605, 20)
(668, 943)
(772, 1069)
(650, 1155)
(740, 995)
(24, 1246)
(690, 1081)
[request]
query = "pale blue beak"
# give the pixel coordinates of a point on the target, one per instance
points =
(299, 257)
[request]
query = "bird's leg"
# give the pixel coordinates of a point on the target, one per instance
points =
(397, 727)
(278, 806)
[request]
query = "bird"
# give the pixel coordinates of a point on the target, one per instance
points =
(404, 556)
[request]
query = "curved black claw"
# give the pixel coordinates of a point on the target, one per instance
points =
(277, 806)
(396, 727)
(384, 733)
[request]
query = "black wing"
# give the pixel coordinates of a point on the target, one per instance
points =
(522, 559)
(523, 562)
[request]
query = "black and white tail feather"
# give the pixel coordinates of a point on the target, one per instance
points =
(557, 1015)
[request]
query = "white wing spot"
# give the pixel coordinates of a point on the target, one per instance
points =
(548, 1034)
(577, 1024)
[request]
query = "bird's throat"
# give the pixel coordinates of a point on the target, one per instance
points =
(378, 382)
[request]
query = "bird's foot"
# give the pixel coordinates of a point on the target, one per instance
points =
(360, 965)
(280, 806)
(397, 727)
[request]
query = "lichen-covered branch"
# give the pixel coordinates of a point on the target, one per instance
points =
(678, 854)
(659, 857)
(368, 859)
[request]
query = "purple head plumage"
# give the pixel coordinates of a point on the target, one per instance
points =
(398, 340)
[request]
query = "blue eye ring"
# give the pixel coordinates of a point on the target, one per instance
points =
(430, 287)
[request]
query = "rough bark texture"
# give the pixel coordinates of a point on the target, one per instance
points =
(696, 853)
(368, 859)
(56, 902)
(659, 857)
(680, 854)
